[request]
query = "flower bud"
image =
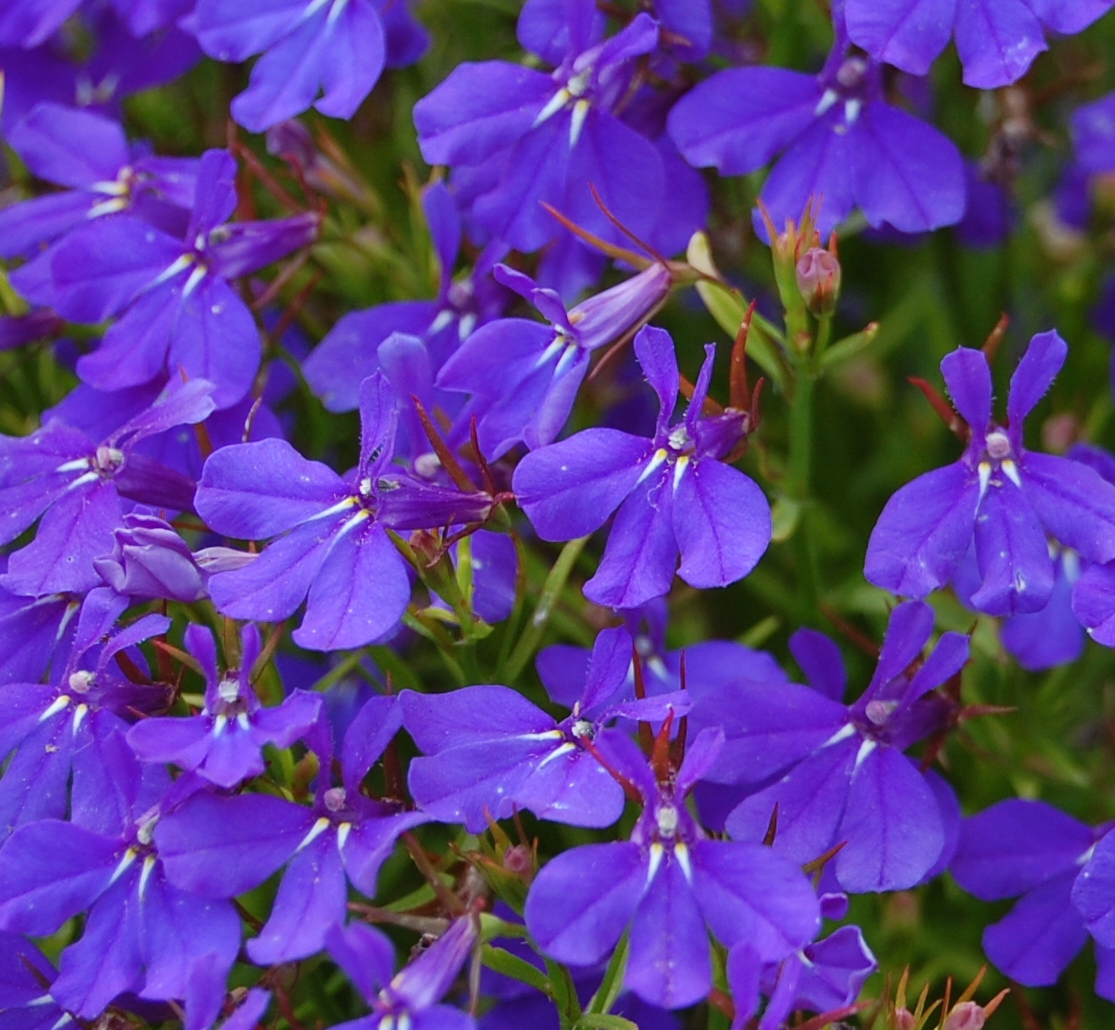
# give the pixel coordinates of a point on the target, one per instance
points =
(966, 1016)
(904, 1019)
(818, 277)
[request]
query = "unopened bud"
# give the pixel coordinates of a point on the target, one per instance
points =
(818, 276)
(519, 860)
(904, 1020)
(966, 1016)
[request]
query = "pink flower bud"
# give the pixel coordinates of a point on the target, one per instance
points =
(966, 1016)
(904, 1019)
(818, 275)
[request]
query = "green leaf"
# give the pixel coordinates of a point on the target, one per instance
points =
(600, 1021)
(606, 994)
(728, 307)
(502, 961)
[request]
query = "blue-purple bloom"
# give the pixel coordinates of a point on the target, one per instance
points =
(672, 885)
(410, 997)
(524, 137)
(336, 47)
(674, 492)
(489, 751)
(332, 541)
(524, 376)
(837, 773)
(141, 933)
(1002, 496)
(223, 743)
(178, 309)
(77, 485)
(221, 846)
(841, 142)
(1033, 850)
(997, 39)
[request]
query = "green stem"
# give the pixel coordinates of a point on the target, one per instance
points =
(800, 471)
(551, 591)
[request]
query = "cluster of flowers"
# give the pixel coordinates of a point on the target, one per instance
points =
(162, 496)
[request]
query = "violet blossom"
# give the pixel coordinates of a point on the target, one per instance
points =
(997, 39)
(674, 492)
(331, 532)
(672, 884)
(1000, 495)
(841, 142)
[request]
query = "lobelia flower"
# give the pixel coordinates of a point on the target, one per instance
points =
(141, 934)
(840, 139)
(335, 47)
(31, 630)
(407, 1000)
(89, 154)
(150, 560)
(178, 310)
(672, 885)
(489, 751)
(78, 485)
(55, 731)
(335, 548)
(25, 978)
(997, 39)
(524, 376)
(221, 846)
(674, 492)
(1029, 848)
(224, 742)
(1093, 135)
(520, 137)
(999, 495)
(837, 773)
(822, 976)
(350, 351)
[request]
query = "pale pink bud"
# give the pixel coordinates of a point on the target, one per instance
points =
(966, 1016)
(818, 275)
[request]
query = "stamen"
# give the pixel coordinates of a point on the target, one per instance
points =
(655, 463)
(577, 122)
(564, 749)
(56, 706)
(129, 857)
(679, 470)
(1011, 471)
(557, 102)
(865, 749)
(316, 831)
(145, 874)
(656, 854)
(681, 852)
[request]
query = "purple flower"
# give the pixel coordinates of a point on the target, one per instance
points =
(335, 47)
(150, 560)
(335, 546)
(821, 977)
(52, 732)
(1001, 495)
(25, 978)
(489, 750)
(141, 933)
(525, 137)
(102, 61)
(76, 485)
(1028, 848)
(836, 773)
(674, 492)
(672, 885)
(997, 39)
(524, 376)
(843, 144)
(219, 846)
(178, 308)
(224, 742)
(89, 154)
(410, 997)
